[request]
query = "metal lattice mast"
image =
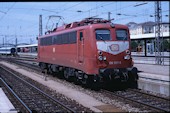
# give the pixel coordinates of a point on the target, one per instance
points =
(40, 26)
(158, 34)
(109, 13)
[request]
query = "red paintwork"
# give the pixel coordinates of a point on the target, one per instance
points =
(82, 55)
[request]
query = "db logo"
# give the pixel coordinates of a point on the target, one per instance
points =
(114, 47)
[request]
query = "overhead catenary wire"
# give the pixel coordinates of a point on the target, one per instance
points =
(2, 12)
(111, 11)
(139, 15)
(87, 11)
(30, 28)
(68, 8)
(5, 13)
(70, 16)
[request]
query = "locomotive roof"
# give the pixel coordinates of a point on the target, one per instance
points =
(84, 23)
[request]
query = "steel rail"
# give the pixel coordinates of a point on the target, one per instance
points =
(13, 93)
(163, 98)
(141, 103)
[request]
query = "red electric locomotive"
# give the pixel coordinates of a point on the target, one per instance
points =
(91, 51)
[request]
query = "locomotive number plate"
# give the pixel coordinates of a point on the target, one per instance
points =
(111, 63)
(117, 62)
(114, 62)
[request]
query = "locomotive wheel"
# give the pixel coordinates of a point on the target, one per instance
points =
(91, 83)
(66, 76)
(43, 66)
(76, 80)
(133, 82)
(95, 86)
(50, 70)
(85, 81)
(60, 74)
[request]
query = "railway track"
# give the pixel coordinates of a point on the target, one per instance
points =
(19, 58)
(134, 97)
(141, 99)
(22, 62)
(32, 97)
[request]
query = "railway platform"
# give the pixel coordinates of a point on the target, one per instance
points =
(149, 60)
(152, 77)
(5, 105)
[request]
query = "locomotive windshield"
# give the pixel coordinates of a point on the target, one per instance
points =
(121, 34)
(103, 35)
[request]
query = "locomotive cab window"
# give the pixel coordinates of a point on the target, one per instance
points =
(103, 35)
(121, 34)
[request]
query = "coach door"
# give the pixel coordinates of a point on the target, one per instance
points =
(80, 46)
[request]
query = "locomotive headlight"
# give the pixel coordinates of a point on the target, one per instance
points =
(127, 52)
(127, 57)
(100, 53)
(100, 58)
(104, 58)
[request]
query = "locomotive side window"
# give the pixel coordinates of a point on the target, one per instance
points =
(121, 34)
(48, 40)
(42, 42)
(81, 36)
(59, 41)
(103, 35)
(54, 38)
(72, 37)
(66, 38)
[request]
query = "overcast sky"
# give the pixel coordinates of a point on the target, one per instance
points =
(21, 19)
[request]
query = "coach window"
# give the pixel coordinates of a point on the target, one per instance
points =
(34, 49)
(18, 50)
(81, 36)
(103, 34)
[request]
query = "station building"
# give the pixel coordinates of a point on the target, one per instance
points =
(143, 38)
